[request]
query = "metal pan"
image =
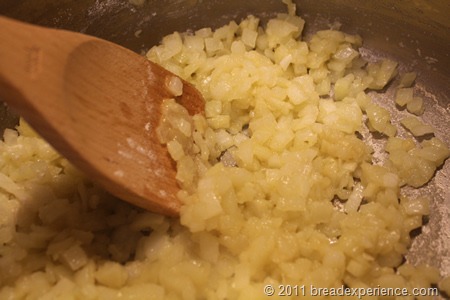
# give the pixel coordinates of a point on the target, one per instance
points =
(414, 33)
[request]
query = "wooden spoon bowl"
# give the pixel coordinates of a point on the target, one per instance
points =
(98, 104)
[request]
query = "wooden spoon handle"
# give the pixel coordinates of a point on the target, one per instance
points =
(32, 61)
(98, 104)
(34, 57)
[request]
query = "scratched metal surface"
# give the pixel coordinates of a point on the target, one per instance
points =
(415, 33)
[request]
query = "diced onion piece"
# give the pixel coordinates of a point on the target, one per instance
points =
(382, 73)
(415, 106)
(407, 79)
(174, 85)
(380, 120)
(354, 201)
(175, 150)
(111, 274)
(249, 37)
(416, 127)
(75, 257)
(403, 96)
(342, 86)
(416, 207)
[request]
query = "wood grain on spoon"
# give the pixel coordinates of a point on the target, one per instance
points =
(98, 104)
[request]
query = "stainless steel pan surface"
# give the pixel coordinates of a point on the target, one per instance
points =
(414, 33)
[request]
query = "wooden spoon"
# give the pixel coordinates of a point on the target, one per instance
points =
(98, 104)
